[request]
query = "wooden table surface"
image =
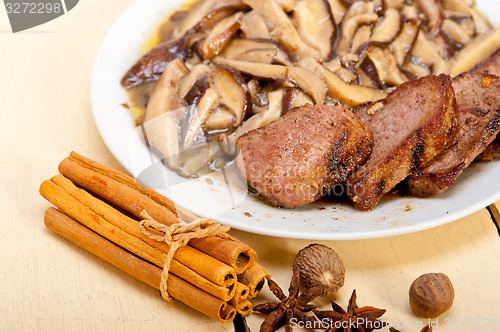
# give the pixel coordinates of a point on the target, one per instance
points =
(49, 284)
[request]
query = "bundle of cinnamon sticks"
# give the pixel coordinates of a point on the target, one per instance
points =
(100, 211)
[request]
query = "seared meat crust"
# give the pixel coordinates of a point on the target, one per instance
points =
(300, 157)
(478, 99)
(416, 122)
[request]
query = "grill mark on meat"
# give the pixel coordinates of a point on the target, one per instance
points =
(416, 154)
(478, 98)
(491, 152)
(380, 187)
(415, 124)
(493, 126)
(302, 155)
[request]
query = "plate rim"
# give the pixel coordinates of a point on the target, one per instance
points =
(248, 226)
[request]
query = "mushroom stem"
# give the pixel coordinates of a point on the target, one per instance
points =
(206, 103)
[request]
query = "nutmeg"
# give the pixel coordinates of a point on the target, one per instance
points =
(431, 294)
(320, 265)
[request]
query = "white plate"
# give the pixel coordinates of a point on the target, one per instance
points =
(223, 197)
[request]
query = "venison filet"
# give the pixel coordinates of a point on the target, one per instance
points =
(478, 99)
(298, 158)
(412, 125)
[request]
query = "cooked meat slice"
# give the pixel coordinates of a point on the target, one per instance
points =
(478, 100)
(410, 127)
(302, 155)
(491, 152)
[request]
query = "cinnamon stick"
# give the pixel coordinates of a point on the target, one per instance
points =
(243, 306)
(74, 207)
(123, 191)
(239, 301)
(254, 277)
(137, 267)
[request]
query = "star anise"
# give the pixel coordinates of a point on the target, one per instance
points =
(290, 310)
(355, 319)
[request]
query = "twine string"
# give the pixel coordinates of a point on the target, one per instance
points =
(177, 236)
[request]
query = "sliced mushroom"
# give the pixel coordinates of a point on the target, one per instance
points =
(435, 15)
(386, 30)
(350, 94)
(272, 113)
(410, 13)
(468, 27)
(456, 6)
(310, 82)
(163, 113)
(372, 73)
(239, 46)
(361, 37)
(254, 89)
(403, 43)
(151, 65)
(294, 98)
(356, 15)
(470, 3)
(346, 75)
(287, 5)
(165, 96)
(260, 71)
(258, 56)
(220, 119)
(363, 78)
(220, 36)
(460, 8)
(416, 70)
(442, 46)
(424, 53)
(305, 79)
(338, 10)
(162, 135)
(387, 67)
(198, 90)
(203, 15)
(198, 159)
(455, 32)
(253, 26)
(233, 92)
(316, 26)
(201, 111)
(480, 22)
(397, 4)
(196, 74)
(478, 50)
(281, 25)
(349, 28)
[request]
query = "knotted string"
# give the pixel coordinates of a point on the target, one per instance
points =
(177, 236)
